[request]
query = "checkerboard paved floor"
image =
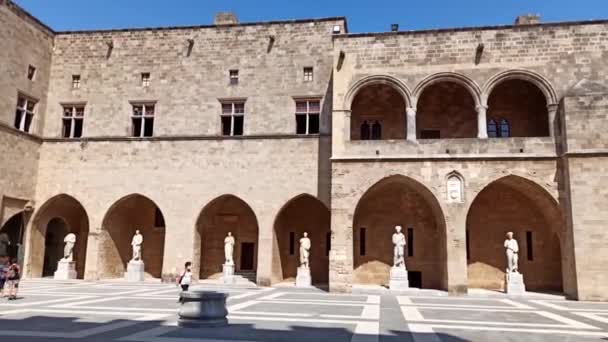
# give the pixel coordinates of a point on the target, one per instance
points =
(116, 311)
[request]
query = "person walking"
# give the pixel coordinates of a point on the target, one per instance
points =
(185, 279)
(3, 275)
(12, 279)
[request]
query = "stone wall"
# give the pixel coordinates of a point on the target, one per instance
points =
(23, 41)
(181, 177)
(188, 84)
(585, 168)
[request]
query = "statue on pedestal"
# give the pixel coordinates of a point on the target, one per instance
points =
(229, 249)
(304, 251)
(399, 249)
(136, 243)
(512, 252)
(68, 249)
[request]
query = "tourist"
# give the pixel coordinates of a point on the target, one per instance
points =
(186, 278)
(3, 273)
(12, 279)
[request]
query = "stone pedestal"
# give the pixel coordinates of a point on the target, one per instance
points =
(202, 309)
(65, 270)
(514, 283)
(303, 279)
(135, 271)
(398, 279)
(228, 271)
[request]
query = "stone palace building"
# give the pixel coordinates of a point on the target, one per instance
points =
(271, 129)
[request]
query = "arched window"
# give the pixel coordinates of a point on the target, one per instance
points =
(365, 131)
(376, 131)
(505, 129)
(492, 129)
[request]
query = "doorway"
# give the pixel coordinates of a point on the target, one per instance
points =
(247, 256)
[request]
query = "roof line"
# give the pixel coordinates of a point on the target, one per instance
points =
(165, 28)
(18, 10)
(472, 28)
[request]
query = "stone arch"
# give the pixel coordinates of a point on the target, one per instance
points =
(378, 106)
(446, 107)
(303, 213)
(521, 74)
(514, 203)
(521, 100)
(467, 83)
(126, 215)
(61, 214)
(399, 200)
(226, 213)
(14, 228)
(391, 81)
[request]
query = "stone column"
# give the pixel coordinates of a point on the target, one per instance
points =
(482, 122)
(411, 123)
(91, 268)
(552, 112)
(341, 254)
(456, 253)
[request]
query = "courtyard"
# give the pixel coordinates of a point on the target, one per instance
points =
(50, 310)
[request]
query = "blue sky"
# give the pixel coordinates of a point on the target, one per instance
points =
(363, 16)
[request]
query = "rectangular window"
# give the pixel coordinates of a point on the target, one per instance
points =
(232, 118)
(73, 119)
(308, 74)
(31, 72)
(75, 81)
(307, 116)
(327, 243)
(529, 244)
(292, 243)
(430, 134)
(143, 120)
(234, 77)
(362, 241)
(410, 242)
(25, 113)
(145, 79)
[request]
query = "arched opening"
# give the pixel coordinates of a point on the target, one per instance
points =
(56, 230)
(378, 113)
(302, 214)
(518, 205)
(225, 214)
(399, 200)
(14, 229)
(446, 109)
(522, 106)
(56, 218)
(131, 213)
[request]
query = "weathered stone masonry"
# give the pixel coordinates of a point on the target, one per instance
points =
(513, 114)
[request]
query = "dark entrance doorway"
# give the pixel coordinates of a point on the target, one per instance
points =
(247, 256)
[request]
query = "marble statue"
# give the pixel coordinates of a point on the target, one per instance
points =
(304, 251)
(68, 250)
(399, 250)
(512, 250)
(229, 249)
(136, 243)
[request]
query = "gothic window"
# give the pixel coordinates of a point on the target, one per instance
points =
(492, 129)
(365, 131)
(376, 131)
(505, 129)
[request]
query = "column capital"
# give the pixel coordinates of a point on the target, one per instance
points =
(552, 107)
(410, 110)
(481, 107)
